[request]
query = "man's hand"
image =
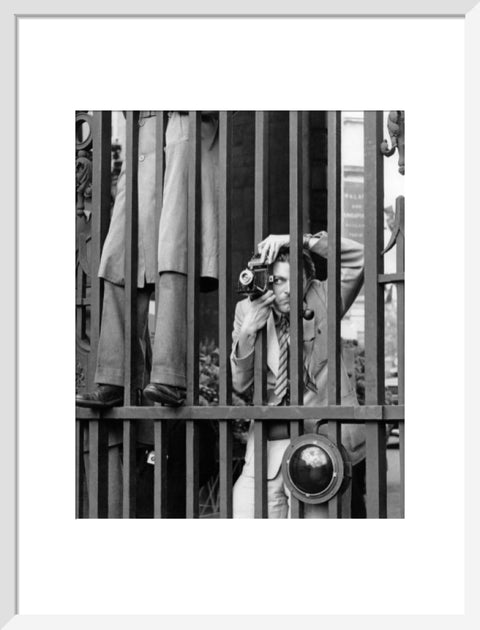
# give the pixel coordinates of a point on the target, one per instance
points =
(257, 315)
(254, 320)
(250, 317)
(269, 247)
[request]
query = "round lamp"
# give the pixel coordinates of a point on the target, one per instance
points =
(315, 469)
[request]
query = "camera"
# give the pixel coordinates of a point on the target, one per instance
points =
(255, 279)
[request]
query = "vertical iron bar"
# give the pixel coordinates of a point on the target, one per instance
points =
(306, 182)
(296, 263)
(225, 264)
(131, 253)
(296, 275)
(225, 310)
(260, 463)
(98, 469)
(193, 266)
(159, 426)
(79, 470)
(193, 503)
(334, 251)
(193, 244)
(115, 481)
(334, 306)
(376, 470)
(160, 469)
(374, 315)
(101, 191)
(160, 128)
(336, 507)
(400, 247)
(401, 448)
(131, 324)
(129, 469)
(400, 253)
(260, 373)
(296, 506)
(260, 232)
(225, 444)
(297, 428)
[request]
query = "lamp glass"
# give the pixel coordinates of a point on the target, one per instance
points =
(311, 469)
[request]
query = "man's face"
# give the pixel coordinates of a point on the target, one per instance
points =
(281, 286)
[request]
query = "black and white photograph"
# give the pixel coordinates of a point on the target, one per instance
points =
(227, 327)
(240, 314)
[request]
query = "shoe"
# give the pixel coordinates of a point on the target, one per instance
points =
(102, 397)
(165, 394)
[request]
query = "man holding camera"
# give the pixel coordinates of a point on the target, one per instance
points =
(271, 311)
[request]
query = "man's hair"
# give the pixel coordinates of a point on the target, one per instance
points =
(308, 266)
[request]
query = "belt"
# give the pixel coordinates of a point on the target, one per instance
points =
(142, 115)
(278, 430)
(206, 117)
(150, 114)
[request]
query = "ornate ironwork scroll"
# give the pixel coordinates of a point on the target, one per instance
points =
(398, 225)
(83, 198)
(396, 129)
(85, 139)
(83, 162)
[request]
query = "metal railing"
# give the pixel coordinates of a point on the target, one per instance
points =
(93, 426)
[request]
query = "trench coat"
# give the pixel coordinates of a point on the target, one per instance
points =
(314, 356)
(172, 243)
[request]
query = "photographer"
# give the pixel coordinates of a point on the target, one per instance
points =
(271, 310)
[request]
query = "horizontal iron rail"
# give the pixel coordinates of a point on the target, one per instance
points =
(86, 301)
(386, 413)
(387, 278)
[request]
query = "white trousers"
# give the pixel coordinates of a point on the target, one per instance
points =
(278, 499)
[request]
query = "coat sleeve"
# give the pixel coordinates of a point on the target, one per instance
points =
(242, 367)
(351, 262)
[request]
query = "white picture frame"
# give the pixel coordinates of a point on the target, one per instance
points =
(15, 11)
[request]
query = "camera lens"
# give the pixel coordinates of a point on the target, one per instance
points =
(246, 277)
